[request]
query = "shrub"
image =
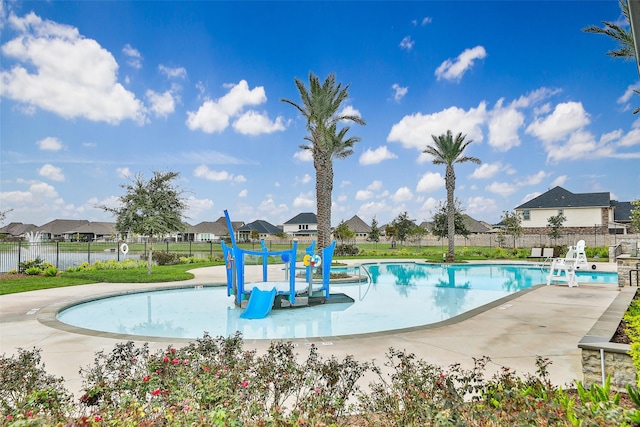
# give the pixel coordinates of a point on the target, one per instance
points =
(166, 258)
(32, 271)
(30, 264)
(346, 250)
(50, 272)
(27, 391)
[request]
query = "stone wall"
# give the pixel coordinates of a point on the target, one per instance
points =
(597, 345)
(626, 263)
(618, 365)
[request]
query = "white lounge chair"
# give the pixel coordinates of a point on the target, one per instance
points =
(536, 253)
(566, 265)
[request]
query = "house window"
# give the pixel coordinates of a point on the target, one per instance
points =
(526, 215)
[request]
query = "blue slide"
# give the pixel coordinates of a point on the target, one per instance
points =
(260, 303)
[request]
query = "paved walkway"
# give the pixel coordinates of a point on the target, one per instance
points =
(546, 321)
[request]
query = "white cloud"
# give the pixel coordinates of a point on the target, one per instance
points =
(123, 172)
(455, 69)
(375, 185)
(195, 207)
(567, 117)
(414, 131)
(173, 73)
(504, 124)
(51, 172)
(348, 110)
(529, 196)
(371, 209)
(534, 179)
(363, 195)
(243, 193)
(402, 194)
(304, 201)
(580, 145)
(624, 98)
(303, 155)
(502, 188)
(400, 91)
(162, 104)
(133, 55)
(203, 171)
(306, 178)
(630, 139)
(559, 181)
(481, 205)
(268, 205)
(213, 116)
(254, 123)
(82, 85)
(430, 182)
(487, 170)
(407, 43)
(50, 143)
(426, 20)
(372, 157)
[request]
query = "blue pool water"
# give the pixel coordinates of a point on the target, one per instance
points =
(396, 296)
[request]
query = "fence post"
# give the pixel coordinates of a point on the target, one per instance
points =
(19, 255)
(57, 254)
(190, 249)
(210, 248)
(89, 252)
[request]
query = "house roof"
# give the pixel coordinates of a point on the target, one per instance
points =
(357, 225)
(474, 226)
(304, 218)
(58, 227)
(261, 226)
(17, 229)
(558, 197)
(100, 228)
(216, 228)
(621, 211)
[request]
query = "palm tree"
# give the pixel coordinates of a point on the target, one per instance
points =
(320, 106)
(626, 48)
(447, 151)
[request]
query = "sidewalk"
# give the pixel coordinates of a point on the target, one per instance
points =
(546, 321)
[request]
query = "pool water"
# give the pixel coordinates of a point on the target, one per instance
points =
(396, 296)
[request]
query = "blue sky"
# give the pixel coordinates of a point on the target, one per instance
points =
(95, 92)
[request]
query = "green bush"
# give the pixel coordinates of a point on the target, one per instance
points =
(36, 263)
(346, 250)
(50, 272)
(32, 271)
(166, 258)
(214, 381)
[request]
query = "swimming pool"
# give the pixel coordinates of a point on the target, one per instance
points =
(396, 296)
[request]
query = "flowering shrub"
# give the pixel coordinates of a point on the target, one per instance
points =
(216, 382)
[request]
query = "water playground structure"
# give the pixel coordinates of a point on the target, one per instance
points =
(259, 298)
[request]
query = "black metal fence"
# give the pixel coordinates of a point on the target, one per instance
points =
(64, 255)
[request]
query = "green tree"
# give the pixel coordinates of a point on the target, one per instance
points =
(626, 46)
(153, 207)
(320, 106)
(439, 225)
(342, 232)
(617, 31)
(403, 225)
(254, 235)
(374, 234)
(447, 151)
(635, 215)
(512, 224)
(555, 224)
(417, 233)
(390, 232)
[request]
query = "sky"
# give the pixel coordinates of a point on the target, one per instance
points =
(93, 93)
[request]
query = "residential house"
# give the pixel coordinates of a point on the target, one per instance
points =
(584, 212)
(91, 232)
(359, 227)
(16, 230)
(266, 230)
(302, 225)
(207, 231)
(58, 229)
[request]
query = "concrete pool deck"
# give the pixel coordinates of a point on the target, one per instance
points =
(546, 321)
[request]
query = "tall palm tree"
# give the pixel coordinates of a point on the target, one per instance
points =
(447, 151)
(626, 45)
(320, 105)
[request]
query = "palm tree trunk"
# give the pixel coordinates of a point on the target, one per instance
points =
(324, 188)
(450, 183)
